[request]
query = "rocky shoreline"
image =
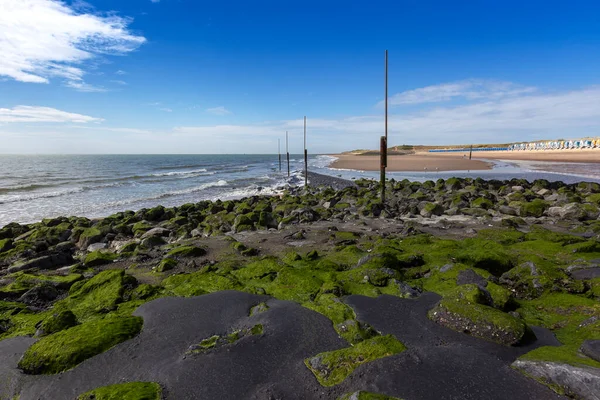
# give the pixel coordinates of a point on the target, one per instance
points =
(455, 288)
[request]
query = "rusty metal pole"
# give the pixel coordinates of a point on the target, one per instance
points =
(287, 152)
(383, 155)
(383, 144)
(305, 157)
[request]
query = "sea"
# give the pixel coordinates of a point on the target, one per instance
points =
(34, 187)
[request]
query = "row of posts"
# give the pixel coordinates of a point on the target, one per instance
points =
(288, 155)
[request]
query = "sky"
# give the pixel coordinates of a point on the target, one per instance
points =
(188, 76)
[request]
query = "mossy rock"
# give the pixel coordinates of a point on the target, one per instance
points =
(187, 251)
(198, 283)
(333, 367)
(64, 350)
(534, 208)
(6, 245)
(166, 264)
(480, 321)
(485, 254)
(362, 395)
(482, 202)
(125, 391)
(99, 257)
(57, 322)
(89, 236)
(99, 295)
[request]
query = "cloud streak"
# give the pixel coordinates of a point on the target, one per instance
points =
(220, 111)
(471, 89)
(42, 114)
(44, 39)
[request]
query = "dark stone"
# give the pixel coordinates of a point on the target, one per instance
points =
(586, 273)
(39, 295)
(591, 348)
(468, 276)
(47, 262)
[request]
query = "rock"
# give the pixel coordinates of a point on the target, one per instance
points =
(543, 192)
(161, 232)
(406, 290)
(152, 241)
(571, 211)
(580, 382)
(96, 247)
(517, 188)
(166, 265)
(479, 320)
(52, 261)
(196, 233)
(446, 267)
(591, 348)
(57, 322)
(508, 210)
(89, 236)
(39, 295)
(468, 276)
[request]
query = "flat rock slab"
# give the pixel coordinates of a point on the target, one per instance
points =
(579, 382)
(591, 348)
(586, 273)
(441, 363)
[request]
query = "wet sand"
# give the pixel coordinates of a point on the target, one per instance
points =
(581, 156)
(425, 161)
(411, 162)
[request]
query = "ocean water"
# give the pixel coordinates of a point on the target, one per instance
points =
(36, 187)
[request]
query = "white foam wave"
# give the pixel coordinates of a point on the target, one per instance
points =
(34, 196)
(176, 173)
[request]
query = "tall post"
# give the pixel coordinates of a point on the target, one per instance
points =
(383, 143)
(279, 152)
(305, 156)
(287, 152)
(471, 152)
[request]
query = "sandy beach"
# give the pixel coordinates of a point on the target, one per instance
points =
(421, 161)
(411, 162)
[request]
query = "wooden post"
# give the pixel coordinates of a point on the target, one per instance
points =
(383, 143)
(471, 152)
(305, 157)
(279, 152)
(383, 157)
(287, 152)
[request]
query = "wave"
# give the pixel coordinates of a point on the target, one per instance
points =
(167, 167)
(34, 196)
(25, 188)
(167, 194)
(176, 173)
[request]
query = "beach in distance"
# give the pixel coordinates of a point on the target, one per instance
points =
(459, 161)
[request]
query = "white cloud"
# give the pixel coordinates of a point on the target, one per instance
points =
(218, 111)
(43, 39)
(471, 89)
(166, 109)
(42, 114)
(118, 82)
(121, 72)
(81, 86)
(155, 1)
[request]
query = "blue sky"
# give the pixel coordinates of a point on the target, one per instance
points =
(184, 76)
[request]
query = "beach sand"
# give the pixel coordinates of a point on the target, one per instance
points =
(421, 161)
(411, 162)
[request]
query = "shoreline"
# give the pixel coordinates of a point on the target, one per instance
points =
(409, 163)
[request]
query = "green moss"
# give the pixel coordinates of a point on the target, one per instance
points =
(257, 329)
(97, 296)
(593, 198)
(24, 281)
(362, 395)
(502, 297)
(485, 254)
(6, 245)
(166, 264)
(568, 316)
(90, 233)
(58, 321)
(186, 251)
(125, 391)
(295, 285)
(97, 258)
(534, 208)
(141, 227)
(347, 257)
(482, 202)
(65, 349)
(341, 235)
(342, 206)
(479, 320)
(540, 233)
(198, 283)
(331, 368)
(502, 236)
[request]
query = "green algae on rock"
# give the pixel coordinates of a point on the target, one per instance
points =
(97, 258)
(362, 395)
(125, 391)
(186, 251)
(332, 367)
(64, 350)
(217, 341)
